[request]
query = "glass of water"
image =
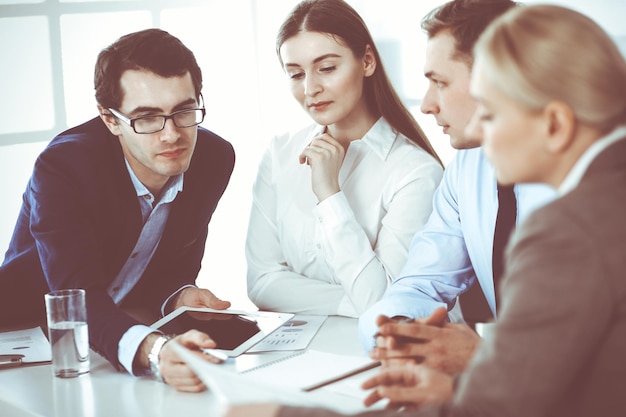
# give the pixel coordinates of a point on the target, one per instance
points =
(67, 330)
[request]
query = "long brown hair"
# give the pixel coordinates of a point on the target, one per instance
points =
(337, 18)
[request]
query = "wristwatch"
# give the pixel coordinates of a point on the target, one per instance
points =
(154, 357)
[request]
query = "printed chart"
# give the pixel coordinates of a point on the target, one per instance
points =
(296, 334)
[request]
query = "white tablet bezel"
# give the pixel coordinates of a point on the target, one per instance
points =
(268, 322)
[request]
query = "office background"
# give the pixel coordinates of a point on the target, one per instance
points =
(49, 48)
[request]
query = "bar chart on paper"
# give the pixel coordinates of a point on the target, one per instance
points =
(296, 334)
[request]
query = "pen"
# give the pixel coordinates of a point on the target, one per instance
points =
(9, 361)
(343, 376)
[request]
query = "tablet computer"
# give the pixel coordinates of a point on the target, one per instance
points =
(234, 331)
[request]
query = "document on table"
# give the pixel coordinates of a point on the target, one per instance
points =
(311, 369)
(296, 334)
(230, 387)
(352, 386)
(31, 343)
(292, 379)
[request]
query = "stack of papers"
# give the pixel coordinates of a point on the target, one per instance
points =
(304, 378)
(310, 369)
(32, 344)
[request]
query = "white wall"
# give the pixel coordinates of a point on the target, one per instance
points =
(48, 87)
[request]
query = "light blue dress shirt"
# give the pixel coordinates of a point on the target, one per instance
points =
(155, 219)
(455, 246)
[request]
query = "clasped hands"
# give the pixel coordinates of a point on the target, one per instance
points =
(419, 360)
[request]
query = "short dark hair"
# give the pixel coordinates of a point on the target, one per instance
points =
(154, 50)
(466, 20)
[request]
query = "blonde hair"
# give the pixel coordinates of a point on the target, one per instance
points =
(539, 54)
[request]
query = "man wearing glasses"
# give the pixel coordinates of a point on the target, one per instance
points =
(120, 206)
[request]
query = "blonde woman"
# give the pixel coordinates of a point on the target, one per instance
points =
(546, 113)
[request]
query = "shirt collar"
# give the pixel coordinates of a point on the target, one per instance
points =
(580, 167)
(172, 188)
(379, 138)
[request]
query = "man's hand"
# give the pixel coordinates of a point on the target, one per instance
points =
(177, 373)
(256, 410)
(174, 371)
(199, 297)
(430, 341)
(409, 386)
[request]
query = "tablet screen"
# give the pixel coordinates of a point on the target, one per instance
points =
(227, 330)
(234, 331)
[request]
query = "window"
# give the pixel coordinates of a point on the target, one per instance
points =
(50, 46)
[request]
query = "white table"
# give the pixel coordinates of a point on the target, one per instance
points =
(104, 392)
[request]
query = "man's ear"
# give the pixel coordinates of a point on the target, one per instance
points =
(369, 61)
(109, 120)
(560, 125)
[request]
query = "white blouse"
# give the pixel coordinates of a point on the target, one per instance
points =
(336, 257)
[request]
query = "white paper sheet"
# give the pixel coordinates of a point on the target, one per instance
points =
(230, 387)
(31, 343)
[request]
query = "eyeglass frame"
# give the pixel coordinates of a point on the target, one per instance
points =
(131, 122)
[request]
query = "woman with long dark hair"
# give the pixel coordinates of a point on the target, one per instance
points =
(336, 204)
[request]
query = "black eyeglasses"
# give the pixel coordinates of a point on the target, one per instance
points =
(151, 124)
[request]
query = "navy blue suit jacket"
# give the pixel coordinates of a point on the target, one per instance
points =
(80, 220)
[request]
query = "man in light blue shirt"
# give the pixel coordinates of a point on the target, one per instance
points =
(454, 250)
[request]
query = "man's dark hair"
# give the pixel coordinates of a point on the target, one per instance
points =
(152, 50)
(465, 20)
